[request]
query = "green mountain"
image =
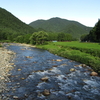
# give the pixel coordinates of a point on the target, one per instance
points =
(61, 25)
(10, 24)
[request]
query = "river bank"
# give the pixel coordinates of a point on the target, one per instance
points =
(86, 53)
(6, 57)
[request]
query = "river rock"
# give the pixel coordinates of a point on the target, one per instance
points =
(2, 78)
(15, 97)
(0, 91)
(46, 92)
(10, 52)
(72, 70)
(28, 57)
(11, 63)
(45, 79)
(22, 78)
(19, 69)
(94, 74)
(83, 65)
(59, 60)
(54, 66)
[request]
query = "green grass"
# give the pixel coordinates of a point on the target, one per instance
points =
(79, 44)
(88, 53)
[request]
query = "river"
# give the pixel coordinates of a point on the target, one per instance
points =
(40, 75)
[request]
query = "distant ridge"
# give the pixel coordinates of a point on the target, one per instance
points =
(10, 23)
(61, 25)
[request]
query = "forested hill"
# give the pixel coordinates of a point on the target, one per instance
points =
(61, 25)
(10, 24)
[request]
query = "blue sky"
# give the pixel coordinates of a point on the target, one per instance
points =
(86, 12)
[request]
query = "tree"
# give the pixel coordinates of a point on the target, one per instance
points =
(64, 37)
(19, 39)
(97, 32)
(38, 37)
(84, 37)
(61, 37)
(94, 35)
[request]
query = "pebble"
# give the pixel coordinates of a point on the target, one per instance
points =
(19, 69)
(28, 57)
(72, 70)
(46, 92)
(54, 66)
(83, 65)
(0, 91)
(18, 83)
(15, 97)
(22, 78)
(59, 60)
(45, 79)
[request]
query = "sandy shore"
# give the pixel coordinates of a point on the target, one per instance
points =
(5, 66)
(28, 45)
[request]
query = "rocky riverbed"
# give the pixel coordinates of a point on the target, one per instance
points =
(6, 57)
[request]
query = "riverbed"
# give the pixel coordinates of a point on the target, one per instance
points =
(40, 75)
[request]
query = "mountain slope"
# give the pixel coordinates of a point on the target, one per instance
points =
(9, 23)
(61, 25)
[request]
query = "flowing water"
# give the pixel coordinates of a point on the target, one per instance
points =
(64, 79)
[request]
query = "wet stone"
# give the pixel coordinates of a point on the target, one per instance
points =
(58, 60)
(18, 83)
(45, 79)
(22, 78)
(11, 63)
(46, 92)
(94, 74)
(54, 66)
(19, 69)
(0, 91)
(2, 78)
(72, 70)
(15, 97)
(29, 57)
(83, 65)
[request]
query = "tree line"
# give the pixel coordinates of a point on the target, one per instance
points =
(94, 34)
(38, 37)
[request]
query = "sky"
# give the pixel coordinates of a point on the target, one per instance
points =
(87, 12)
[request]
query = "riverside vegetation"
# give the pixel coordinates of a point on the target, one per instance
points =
(87, 53)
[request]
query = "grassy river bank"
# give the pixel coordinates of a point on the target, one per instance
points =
(86, 53)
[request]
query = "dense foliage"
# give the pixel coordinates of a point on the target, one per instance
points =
(60, 37)
(11, 28)
(94, 35)
(39, 37)
(56, 25)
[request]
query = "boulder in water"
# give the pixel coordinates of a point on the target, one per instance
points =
(72, 70)
(58, 60)
(45, 79)
(94, 74)
(46, 92)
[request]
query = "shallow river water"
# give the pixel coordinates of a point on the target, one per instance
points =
(40, 75)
